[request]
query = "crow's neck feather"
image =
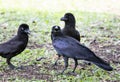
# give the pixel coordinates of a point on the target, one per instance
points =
(69, 24)
(22, 36)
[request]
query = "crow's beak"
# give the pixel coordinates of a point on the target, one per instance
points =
(27, 31)
(55, 30)
(63, 19)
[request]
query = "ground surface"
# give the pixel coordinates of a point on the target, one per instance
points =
(97, 21)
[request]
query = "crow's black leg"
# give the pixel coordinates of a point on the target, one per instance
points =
(10, 64)
(56, 60)
(66, 64)
(76, 63)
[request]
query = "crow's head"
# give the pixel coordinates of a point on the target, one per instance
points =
(56, 29)
(24, 28)
(68, 17)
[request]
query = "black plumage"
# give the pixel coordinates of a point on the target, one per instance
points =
(69, 28)
(16, 45)
(69, 47)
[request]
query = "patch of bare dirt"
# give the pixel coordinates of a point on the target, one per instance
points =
(108, 51)
(29, 72)
(36, 45)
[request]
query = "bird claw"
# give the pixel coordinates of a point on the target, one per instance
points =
(21, 68)
(72, 73)
(11, 67)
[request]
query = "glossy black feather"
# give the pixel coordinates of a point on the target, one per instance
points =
(69, 47)
(69, 28)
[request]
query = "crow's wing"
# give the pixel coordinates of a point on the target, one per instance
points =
(72, 48)
(77, 35)
(11, 46)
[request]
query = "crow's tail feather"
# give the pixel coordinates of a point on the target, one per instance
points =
(102, 64)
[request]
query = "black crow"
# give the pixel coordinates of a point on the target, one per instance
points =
(69, 28)
(69, 47)
(16, 45)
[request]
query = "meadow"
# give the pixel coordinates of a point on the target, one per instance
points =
(97, 21)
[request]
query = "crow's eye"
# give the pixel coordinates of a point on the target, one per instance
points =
(22, 28)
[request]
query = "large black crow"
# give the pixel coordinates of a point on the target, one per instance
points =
(16, 45)
(69, 47)
(69, 28)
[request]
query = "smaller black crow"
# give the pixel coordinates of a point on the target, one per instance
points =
(69, 28)
(16, 45)
(69, 47)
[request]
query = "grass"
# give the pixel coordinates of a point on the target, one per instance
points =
(99, 25)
